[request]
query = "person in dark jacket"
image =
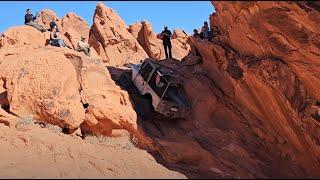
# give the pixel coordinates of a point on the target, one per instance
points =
(29, 20)
(166, 36)
(196, 34)
(205, 31)
(53, 24)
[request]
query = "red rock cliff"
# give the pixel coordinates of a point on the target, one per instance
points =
(252, 96)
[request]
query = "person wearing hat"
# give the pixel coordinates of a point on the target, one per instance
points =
(166, 36)
(29, 20)
(83, 46)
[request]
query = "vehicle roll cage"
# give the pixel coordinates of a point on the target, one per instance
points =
(156, 68)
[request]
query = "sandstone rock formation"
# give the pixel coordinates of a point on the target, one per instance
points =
(42, 85)
(152, 43)
(112, 41)
(178, 33)
(147, 39)
(108, 107)
(251, 89)
(46, 16)
(21, 36)
(288, 31)
(180, 47)
(258, 81)
(74, 27)
(80, 89)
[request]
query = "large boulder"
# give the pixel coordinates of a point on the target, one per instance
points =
(109, 106)
(74, 27)
(45, 16)
(42, 85)
(147, 39)
(112, 41)
(21, 36)
(178, 33)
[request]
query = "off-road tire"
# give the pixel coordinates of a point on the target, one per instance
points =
(145, 108)
(125, 80)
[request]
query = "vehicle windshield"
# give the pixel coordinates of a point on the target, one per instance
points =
(158, 83)
(172, 92)
(146, 71)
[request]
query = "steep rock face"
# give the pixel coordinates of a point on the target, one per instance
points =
(147, 39)
(178, 33)
(112, 41)
(108, 107)
(289, 31)
(74, 27)
(253, 116)
(180, 47)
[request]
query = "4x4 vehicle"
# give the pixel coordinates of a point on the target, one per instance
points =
(164, 86)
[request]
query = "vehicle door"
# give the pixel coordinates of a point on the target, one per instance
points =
(143, 77)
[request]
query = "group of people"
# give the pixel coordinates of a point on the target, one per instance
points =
(55, 36)
(83, 46)
(166, 36)
(205, 32)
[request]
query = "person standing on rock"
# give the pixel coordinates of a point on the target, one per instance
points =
(29, 20)
(166, 40)
(55, 39)
(82, 46)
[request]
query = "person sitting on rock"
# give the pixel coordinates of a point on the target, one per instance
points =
(55, 39)
(205, 30)
(29, 20)
(82, 46)
(196, 34)
(166, 36)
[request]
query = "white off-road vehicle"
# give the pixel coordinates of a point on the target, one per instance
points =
(163, 85)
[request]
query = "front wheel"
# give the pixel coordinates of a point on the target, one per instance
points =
(125, 80)
(145, 108)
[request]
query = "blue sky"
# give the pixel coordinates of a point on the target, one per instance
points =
(186, 15)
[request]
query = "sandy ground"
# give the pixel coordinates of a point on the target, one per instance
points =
(29, 151)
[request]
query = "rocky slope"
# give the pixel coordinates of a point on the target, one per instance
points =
(63, 89)
(252, 90)
(258, 82)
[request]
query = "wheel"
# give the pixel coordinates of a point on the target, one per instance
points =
(145, 108)
(125, 80)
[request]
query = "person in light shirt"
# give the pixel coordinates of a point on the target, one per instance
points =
(83, 46)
